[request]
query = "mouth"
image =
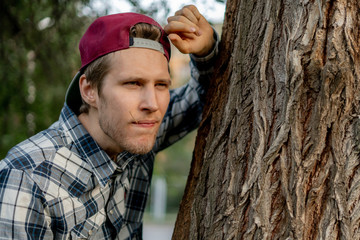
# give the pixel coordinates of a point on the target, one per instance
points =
(145, 123)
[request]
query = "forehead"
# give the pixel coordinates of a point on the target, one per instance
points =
(139, 59)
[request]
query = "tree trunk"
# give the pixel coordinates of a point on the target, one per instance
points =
(278, 153)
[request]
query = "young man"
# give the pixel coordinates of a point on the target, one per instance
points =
(88, 175)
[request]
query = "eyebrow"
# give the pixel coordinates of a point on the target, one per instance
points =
(166, 80)
(169, 81)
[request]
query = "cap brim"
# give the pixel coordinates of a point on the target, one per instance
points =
(73, 97)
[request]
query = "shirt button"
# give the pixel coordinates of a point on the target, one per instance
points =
(90, 232)
(111, 212)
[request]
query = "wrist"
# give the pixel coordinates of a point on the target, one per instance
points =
(207, 49)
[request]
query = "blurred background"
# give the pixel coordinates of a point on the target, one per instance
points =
(38, 58)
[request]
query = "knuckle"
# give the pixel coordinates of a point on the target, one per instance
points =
(190, 6)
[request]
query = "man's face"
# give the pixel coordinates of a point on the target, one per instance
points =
(133, 99)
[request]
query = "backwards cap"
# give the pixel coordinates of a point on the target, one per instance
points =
(109, 34)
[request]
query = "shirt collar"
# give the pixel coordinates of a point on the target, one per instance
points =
(101, 164)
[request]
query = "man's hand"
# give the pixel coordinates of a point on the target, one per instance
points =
(189, 31)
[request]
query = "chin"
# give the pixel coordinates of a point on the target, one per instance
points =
(137, 145)
(140, 148)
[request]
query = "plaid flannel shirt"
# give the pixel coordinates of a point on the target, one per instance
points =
(59, 184)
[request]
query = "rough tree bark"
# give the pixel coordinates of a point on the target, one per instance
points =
(278, 153)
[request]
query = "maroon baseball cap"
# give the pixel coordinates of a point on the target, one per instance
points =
(110, 34)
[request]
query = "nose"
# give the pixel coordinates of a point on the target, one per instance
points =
(149, 100)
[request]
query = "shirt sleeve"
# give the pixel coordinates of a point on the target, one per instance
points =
(22, 207)
(186, 103)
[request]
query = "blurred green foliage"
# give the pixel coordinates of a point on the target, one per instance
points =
(38, 57)
(173, 164)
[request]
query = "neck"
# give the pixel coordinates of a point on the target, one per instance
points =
(91, 124)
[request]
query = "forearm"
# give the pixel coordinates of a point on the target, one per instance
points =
(202, 68)
(186, 103)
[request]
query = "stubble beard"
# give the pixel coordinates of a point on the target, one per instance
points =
(124, 142)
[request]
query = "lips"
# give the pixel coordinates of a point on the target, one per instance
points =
(145, 123)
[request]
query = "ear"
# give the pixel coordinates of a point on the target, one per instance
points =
(88, 93)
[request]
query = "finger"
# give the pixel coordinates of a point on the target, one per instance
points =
(179, 43)
(180, 27)
(174, 38)
(189, 10)
(194, 11)
(183, 20)
(188, 14)
(185, 37)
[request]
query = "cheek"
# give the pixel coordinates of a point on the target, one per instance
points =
(117, 106)
(164, 102)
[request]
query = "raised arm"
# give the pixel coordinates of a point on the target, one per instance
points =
(190, 33)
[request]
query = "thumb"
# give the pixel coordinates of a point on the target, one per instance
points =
(179, 43)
